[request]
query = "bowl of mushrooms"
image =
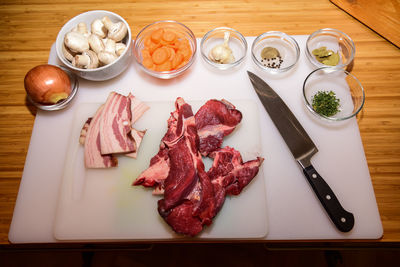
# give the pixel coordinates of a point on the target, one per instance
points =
(95, 45)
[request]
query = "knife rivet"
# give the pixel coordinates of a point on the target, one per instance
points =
(314, 175)
(343, 219)
(328, 197)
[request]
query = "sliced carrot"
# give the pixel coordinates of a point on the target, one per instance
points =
(177, 60)
(146, 53)
(166, 50)
(160, 55)
(182, 64)
(169, 36)
(171, 52)
(166, 66)
(148, 63)
(157, 35)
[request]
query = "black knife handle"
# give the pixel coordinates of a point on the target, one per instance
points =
(343, 219)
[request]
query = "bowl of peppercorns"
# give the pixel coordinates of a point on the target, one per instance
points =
(275, 52)
(333, 94)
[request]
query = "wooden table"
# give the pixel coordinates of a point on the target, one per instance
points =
(29, 28)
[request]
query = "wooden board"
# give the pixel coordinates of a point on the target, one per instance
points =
(382, 16)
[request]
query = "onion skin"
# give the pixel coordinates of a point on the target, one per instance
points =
(47, 84)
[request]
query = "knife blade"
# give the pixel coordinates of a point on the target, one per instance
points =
(302, 148)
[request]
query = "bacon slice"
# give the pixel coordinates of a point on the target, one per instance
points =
(115, 132)
(138, 108)
(115, 125)
(92, 155)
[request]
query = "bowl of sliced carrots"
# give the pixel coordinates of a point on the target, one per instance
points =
(165, 49)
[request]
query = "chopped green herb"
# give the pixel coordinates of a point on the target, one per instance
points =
(325, 103)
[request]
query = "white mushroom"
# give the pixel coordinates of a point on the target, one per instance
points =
(68, 54)
(96, 43)
(116, 31)
(108, 55)
(87, 60)
(81, 28)
(120, 48)
(76, 42)
(98, 28)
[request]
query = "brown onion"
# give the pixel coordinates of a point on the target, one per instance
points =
(47, 84)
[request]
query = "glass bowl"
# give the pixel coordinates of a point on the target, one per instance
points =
(334, 40)
(101, 73)
(346, 87)
(182, 32)
(63, 103)
(236, 42)
(285, 49)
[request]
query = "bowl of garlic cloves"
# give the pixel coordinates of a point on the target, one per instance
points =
(223, 48)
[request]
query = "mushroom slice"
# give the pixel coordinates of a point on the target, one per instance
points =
(116, 31)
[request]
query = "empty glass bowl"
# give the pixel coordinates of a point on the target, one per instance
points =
(284, 52)
(235, 41)
(335, 41)
(342, 86)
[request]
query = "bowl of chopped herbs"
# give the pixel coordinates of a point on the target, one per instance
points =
(333, 94)
(330, 48)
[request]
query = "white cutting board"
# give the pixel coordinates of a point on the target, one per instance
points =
(293, 210)
(101, 204)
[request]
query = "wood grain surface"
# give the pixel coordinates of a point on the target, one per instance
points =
(28, 28)
(382, 16)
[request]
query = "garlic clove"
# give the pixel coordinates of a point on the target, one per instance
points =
(222, 53)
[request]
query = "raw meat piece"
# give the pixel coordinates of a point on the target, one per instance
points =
(188, 195)
(93, 156)
(192, 197)
(229, 175)
(138, 137)
(138, 108)
(157, 171)
(215, 120)
(116, 134)
(115, 125)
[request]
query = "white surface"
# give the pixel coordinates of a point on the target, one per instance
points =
(101, 204)
(294, 212)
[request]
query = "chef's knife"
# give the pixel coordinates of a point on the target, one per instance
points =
(302, 148)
